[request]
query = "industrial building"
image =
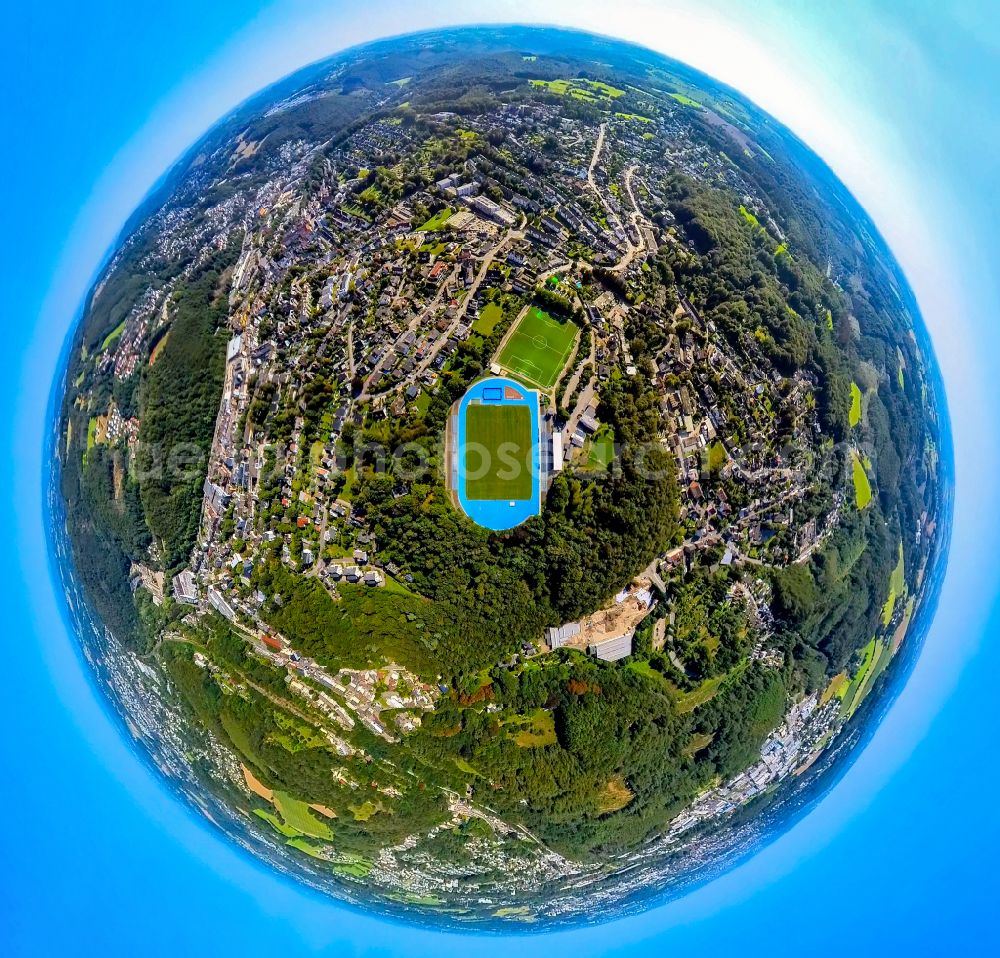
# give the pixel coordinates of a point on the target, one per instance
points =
(613, 649)
(558, 637)
(185, 588)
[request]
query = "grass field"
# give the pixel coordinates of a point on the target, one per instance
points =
(614, 796)
(422, 402)
(297, 816)
(580, 88)
(364, 811)
(749, 217)
(538, 348)
(113, 335)
(504, 432)
(463, 766)
(634, 116)
(897, 581)
(350, 481)
(854, 416)
(642, 667)
(858, 685)
(303, 846)
(294, 735)
(838, 686)
(437, 221)
(881, 663)
(689, 701)
(276, 823)
(686, 100)
(353, 867)
(534, 730)
(489, 316)
(897, 586)
(717, 456)
(698, 741)
(601, 449)
(862, 487)
(903, 627)
(158, 348)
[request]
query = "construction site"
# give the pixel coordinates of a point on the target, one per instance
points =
(608, 632)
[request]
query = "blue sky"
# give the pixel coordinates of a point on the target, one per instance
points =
(898, 97)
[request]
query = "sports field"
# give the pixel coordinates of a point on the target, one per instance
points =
(498, 452)
(538, 348)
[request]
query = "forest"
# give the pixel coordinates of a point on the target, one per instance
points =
(762, 298)
(178, 402)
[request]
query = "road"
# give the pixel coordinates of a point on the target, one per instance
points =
(509, 237)
(376, 374)
(545, 275)
(612, 216)
(637, 223)
(651, 572)
(586, 398)
(597, 154)
(574, 380)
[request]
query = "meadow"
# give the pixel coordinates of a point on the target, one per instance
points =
(854, 415)
(862, 486)
(438, 220)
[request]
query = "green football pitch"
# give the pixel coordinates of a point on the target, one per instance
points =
(538, 348)
(497, 452)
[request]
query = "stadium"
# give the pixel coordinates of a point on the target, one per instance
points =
(493, 453)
